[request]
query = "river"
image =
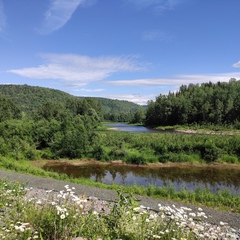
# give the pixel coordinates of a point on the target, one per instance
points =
(189, 178)
(122, 127)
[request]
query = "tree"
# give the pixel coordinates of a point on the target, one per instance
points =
(138, 117)
(8, 110)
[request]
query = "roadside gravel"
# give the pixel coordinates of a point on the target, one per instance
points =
(104, 195)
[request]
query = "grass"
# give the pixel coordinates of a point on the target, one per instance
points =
(223, 200)
(64, 215)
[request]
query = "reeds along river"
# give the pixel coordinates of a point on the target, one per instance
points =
(189, 178)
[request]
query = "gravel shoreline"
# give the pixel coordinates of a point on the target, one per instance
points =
(102, 196)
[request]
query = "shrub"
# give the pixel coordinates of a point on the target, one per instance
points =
(229, 159)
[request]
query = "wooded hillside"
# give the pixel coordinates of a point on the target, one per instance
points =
(28, 98)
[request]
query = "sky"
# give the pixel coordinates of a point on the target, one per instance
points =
(130, 50)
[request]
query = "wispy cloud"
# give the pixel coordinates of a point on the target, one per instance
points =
(177, 81)
(78, 70)
(156, 35)
(59, 13)
(236, 65)
(2, 17)
(158, 5)
(90, 90)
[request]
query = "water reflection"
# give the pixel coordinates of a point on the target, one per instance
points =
(122, 127)
(188, 177)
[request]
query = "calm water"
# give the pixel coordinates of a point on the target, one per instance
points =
(135, 129)
(187, 177)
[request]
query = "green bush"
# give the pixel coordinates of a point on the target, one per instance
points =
(229, 159)
(135, 158)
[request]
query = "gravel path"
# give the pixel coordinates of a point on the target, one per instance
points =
(214, 216)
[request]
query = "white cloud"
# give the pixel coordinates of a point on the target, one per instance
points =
(158, 5)
(78, 70)
(91, 90)
(135, 98)
(59, 13)
(236, 65)
(2, 17)
(177, 80)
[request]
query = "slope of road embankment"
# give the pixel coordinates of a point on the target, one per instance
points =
(214, 216)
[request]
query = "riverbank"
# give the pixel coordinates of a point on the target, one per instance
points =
(76, 162)
(215, 216)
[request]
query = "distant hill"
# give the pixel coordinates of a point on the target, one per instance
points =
(27, 98)
(110, 105)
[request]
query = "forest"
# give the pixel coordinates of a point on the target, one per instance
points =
(43, 123)
(208, 103)
(28, 98)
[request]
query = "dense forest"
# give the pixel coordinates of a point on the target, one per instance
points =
(28, 98)
(51, 130)
(38, 122)
(208, 103)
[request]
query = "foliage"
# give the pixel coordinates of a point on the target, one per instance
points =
(8, 110)
(168, 147)
(208, 103)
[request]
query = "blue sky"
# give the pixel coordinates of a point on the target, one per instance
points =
(120, 49)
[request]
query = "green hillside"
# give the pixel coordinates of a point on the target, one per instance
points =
(28, 98)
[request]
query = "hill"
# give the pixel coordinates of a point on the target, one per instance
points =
(28, 98)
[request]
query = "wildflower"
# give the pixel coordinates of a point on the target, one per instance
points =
(62, 216)
(192, 214)
(192, 225)
(222, 223)
(136, 209)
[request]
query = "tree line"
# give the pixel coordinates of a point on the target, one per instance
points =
(208, 103)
